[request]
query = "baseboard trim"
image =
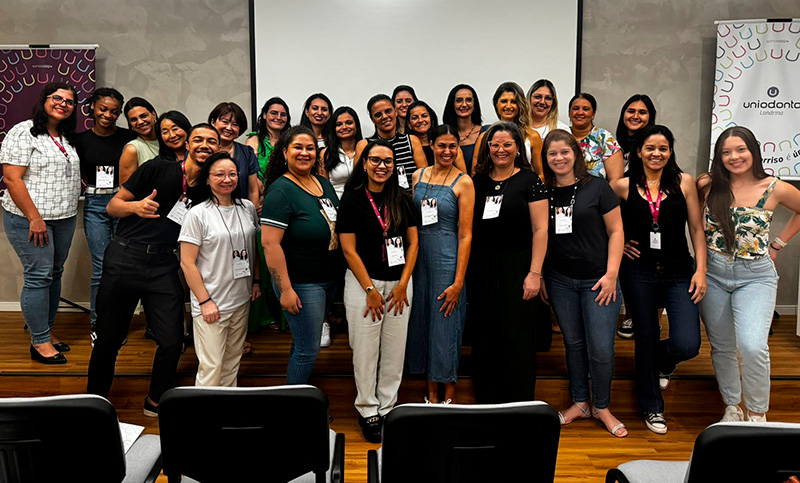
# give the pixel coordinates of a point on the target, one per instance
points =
(15, 307)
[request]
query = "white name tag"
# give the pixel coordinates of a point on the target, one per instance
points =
(327, 206)
(241, 268)
(402, 178)
(178, 212)
(430, 211)
(395, 254)
(104, 177)
(492, 207)
(563, 220)
(655, 240)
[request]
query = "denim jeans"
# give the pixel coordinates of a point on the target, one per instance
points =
(737, 312)
(646, 290)
(99, 226)
(588, 330)
(41, 268)
(306, 327)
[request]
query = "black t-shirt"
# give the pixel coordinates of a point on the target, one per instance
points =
(511, 231)
(357, 216)
(94, 151)
(582, 254)
(166, 177)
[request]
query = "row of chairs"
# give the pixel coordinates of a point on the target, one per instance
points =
(282, 434)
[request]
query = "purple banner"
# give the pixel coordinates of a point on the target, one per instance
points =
(23, 74)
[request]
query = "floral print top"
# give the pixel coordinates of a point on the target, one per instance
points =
(598, 146)
(751, 228)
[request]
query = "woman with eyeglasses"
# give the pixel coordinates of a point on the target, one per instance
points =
(600, 149)
(509, 242)
(316, 112)
(377, 227)
(214, 235)
(141, 117)
(544, 108)
(42, 176)
(462, 111)
(402, 97)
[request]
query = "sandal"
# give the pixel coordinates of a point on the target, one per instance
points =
(585, 412)
(247, 349)
(616, 430)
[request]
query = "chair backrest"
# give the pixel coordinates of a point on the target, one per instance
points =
(214, 434)
(762, 452)
(476, 443)
(60, 438)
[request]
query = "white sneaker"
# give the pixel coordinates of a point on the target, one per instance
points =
(733, 414)
(326, 335)
(626, 329)
(663, 380)
(756, 419)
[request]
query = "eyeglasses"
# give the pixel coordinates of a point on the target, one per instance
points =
(222, 176)
(60, 100)
(376, 161)
(539, 97)
(506, 146)
(276, 114)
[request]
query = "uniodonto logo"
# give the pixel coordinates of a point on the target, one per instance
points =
(773, 91)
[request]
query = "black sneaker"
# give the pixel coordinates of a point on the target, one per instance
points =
(150, 410)
(656, 423)
(625, 330)
(371, 428)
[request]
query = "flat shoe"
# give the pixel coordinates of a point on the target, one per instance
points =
(615, 430)
(61, 347)
(52, 360)
(586, 414)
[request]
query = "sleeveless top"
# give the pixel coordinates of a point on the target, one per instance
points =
(750, 227)
(403, 154)
(447, 209)
(637, 220)
(145, 150)
(341, 172)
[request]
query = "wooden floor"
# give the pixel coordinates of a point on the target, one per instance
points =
(586, 450)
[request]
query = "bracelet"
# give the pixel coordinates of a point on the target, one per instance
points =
(257, 280)
(205, 301)
(772, 245)
(369, 289)
(780, 242)
(535, 272)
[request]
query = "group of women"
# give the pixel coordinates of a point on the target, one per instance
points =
(423, 221)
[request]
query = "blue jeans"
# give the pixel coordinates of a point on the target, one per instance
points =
(306, 327)
(588, 330)
(646, 290)
(99, 226)
(41, 268)
(737, 312)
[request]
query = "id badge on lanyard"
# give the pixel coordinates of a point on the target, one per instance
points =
(328, 208)
(492, 207)
(394, 251)
(563, 220)
(655, 208)
(178, 212)
(430, 211)
(402, 179)
(104, 177)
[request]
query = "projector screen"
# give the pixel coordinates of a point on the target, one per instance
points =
(353, 49)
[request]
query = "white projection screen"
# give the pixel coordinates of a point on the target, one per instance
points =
(353, 49)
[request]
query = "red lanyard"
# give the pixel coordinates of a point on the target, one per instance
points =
(183, 181)
(380, 219)
(60, 147)
(654, 207)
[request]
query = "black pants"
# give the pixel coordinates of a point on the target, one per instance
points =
(131, 274)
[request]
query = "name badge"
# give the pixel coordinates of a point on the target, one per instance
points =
(655, 240)
(492, 207)
(430, 211)
(563, 220)
(178, 212)
(241, 268)
(327, 206)
(395, 254)
(402, 179)
(104, 177)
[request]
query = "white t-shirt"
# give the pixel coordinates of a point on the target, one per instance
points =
(339, 174)
(207, 226)
(546, 129)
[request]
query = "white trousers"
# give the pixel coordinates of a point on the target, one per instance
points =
(379, 347)
(219, 347)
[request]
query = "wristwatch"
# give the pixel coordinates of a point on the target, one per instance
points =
(370, 288)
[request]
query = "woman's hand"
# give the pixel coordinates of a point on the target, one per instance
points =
(773, 254)
(210, 312)
(531, 286)
(450, 295)
(255, 291)
(37, 232)
(698, 286)
(608, 290)
(290, 302)
(630, 251)
(398, 298)
(543, 293)
(375, 304)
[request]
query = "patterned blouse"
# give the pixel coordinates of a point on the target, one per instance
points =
(751, 229)
(598, 146)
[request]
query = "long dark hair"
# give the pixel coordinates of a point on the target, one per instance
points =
(720, 195)
(403, 88)
(304, 120)
(670, 175)
(397, 201)
(483, 165)
(374, 100)
(332, 141)
(579, 168)
(450, 117)
(260, 126)
(624, 139)
(39, 116)
(205, 172)
(277, 165)
(431, 114)
(164, 151)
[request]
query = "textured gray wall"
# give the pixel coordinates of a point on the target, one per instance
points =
(189, 55)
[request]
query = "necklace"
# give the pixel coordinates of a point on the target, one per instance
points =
(465, 136)
(305, 187)
(501, 182)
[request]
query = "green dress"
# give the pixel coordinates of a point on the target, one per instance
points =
(262, 310)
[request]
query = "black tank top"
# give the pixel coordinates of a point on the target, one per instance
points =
(673, 257)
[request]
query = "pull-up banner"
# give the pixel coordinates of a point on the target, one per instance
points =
(26, 69)
(758, 86)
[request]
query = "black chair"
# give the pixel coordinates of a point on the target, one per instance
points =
(746, 452)
(265, 434)
(70, 438)
(464, 444)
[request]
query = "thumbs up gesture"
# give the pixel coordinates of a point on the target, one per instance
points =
(147, 207)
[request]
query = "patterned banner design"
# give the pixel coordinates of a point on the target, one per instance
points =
(23, 74)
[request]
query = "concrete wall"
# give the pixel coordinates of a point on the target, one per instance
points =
(189, 55)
